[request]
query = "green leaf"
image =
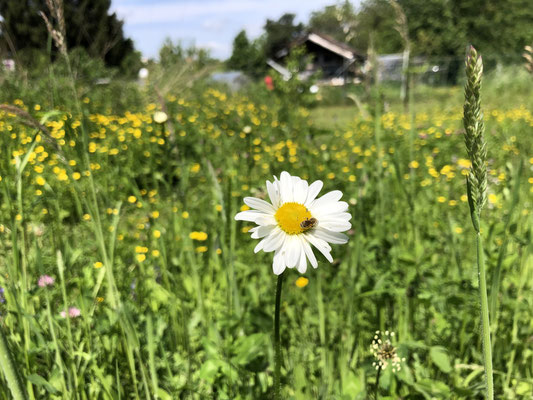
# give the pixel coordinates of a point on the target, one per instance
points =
(353, 385)
(40, 381)
(249, 347)
(163, 395)
(435, 388)
(524, 388)
(209, 370)
(440, 358)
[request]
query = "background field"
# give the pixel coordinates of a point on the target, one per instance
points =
(123, 273)
(135, 221)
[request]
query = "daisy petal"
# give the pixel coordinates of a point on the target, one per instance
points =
(265, 219)
(330, 236)
(321, 245)
(293, 253)
(322, 210)
(302, 263)
(266, 239)
(274, 241)
(286, 191)
(262, 231)
(259, 204)
(342, 216)
(273, 193)
(278, 265)
(250, 215)
(300, 191)
(330, 197)
(313, 191)
(259, 246)
(309, 252)
(335, 225)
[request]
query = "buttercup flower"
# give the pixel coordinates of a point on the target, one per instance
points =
(295, 220)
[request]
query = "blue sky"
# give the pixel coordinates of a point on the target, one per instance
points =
(207, 23)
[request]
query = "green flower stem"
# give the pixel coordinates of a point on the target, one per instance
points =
(277, 345)
(487, 348)
(8, 367)
(377, 383)
(476, 188)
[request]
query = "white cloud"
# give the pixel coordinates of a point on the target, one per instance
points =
(215, 25)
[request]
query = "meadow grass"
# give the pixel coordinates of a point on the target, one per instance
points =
(135, 221)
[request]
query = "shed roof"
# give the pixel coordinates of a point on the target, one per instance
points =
(327, 42)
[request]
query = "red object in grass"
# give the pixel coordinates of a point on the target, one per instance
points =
(269, 82)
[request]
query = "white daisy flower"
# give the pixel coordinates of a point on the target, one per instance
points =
(295, 220)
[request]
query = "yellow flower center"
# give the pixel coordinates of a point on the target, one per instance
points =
(290, 217)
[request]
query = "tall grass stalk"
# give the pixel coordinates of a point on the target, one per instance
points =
(477, 193)
(10, 372)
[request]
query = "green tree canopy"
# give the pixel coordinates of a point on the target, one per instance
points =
(247, 56)
(497, 28)
(89, 24)
(338, 21)
(172, 54)
(279, 34)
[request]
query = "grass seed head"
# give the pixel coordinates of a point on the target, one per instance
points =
(474, 136)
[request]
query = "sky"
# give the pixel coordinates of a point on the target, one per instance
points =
(211, 24)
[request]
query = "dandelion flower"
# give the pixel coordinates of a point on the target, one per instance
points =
(295, 220)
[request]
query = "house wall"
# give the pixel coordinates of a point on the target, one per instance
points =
(323, 60)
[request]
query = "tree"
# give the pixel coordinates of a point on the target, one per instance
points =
(374, 18)
(337, 21)
(172, 54)
(435, 27)
(279, 34)
(498, 28)
(242, 49)
(247, 56)
(376, 22)
(88, 24)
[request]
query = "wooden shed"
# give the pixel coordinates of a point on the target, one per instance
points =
(337, 63)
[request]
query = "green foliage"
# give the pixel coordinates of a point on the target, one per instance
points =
(247, 56)
(111, 204)
(180, 68)
(279, 34)
(88, 23)
(337, 21)
(172, 54)
(49, 84)
(294, 91)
